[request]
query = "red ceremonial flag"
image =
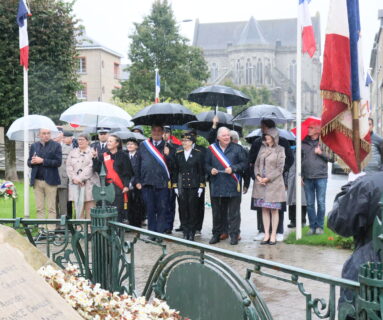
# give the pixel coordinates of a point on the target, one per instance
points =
(342, 85)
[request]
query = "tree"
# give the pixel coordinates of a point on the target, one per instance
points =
(156, 43)
(52, 65)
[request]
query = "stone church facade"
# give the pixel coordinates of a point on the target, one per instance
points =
(262, 54)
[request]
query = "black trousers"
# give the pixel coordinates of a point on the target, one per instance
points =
(201, 210)
(229, 207)
(136, 208)
(188, 199)
(293, 214)
(119, 203)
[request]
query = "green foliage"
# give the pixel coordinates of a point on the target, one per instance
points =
(52, 60)
(327, 239)
(6, 205)
(156, 43)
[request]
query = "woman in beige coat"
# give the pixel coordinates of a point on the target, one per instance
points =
(81, 177)
(269, 188)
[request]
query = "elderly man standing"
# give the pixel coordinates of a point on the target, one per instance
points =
(45, 158)
(225, 162)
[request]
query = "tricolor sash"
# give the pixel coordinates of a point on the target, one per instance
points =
(157, 155)
(225, 162)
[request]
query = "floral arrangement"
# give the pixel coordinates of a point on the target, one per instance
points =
(7, 190)
(92, 302)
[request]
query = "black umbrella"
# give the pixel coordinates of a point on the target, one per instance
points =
(258, 132)
(253, 116)
(205, 121)
(218, 96)
(163, 114)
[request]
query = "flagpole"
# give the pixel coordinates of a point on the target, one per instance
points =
(298, 155)
(356, 132)
(26, 145)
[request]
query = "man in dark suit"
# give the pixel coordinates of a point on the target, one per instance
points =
(45, 158)
(153, 176)
(188, 181)
(100, 145)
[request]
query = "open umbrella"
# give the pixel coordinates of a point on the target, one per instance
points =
(252, 116)
(204, 121)
(305, 125)
(127, 134)
(96, 114)
(35, 123)
(163, 114)
(258, 132)
(218, 96)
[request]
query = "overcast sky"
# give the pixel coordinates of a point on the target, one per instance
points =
(111, 22)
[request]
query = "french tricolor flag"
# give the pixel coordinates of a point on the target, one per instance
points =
(22, 14)
(158, 87)
(308, 39)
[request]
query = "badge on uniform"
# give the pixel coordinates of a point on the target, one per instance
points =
(107, 158)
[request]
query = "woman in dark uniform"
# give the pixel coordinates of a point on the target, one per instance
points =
(118, 171)
(188, 181)
(136, 211)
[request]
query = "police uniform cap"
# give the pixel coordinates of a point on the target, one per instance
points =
(188, 136)
(103, 130)
(68, 134)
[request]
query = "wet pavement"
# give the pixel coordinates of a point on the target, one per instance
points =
(283, 299)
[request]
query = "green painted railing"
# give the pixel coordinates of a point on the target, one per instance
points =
(109, 258)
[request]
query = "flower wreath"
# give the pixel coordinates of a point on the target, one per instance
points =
(7, 190)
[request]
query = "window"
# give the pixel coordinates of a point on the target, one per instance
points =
(214, 72)
(82, 94)
(249, 72)
(81, 65)
(293, 71)
(116, 71)
(259, 72)
(268, 72)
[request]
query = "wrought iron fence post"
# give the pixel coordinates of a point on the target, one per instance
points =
(102, 247)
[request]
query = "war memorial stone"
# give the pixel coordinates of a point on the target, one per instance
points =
(23, 293)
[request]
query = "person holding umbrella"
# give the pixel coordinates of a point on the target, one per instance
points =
(188, 181)
(225, 162)
(153, 177)
(82, 178)
(119, 172)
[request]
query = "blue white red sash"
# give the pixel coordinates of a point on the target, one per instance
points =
(157, 155)
(224, 161)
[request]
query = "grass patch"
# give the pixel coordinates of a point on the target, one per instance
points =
(327, 239)
(6, 204)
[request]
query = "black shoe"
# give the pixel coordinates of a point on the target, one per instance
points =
(191, 236)
(291, 225)
(186, 236)
(272, 243)
(265, 241)
(180, 229)
(234, 241)
(168, 232)
(214, 239)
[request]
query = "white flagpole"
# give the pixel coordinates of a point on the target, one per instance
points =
(26, 145)
(298, 156)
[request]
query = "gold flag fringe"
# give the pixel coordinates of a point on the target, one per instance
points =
(336, 96)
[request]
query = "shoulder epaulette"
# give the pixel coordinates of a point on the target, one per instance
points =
(180, 150)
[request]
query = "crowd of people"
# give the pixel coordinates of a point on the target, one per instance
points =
(149, 177)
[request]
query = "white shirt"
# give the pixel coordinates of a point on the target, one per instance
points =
(187, 153)
(131, 154)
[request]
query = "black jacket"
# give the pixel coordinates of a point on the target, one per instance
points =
(352, 215)
(52, 154)
(121, 165)
(256, 146)
(149, 171)
(222, 184)
(314, 166)
(190, 173)
(134, 162)
(100, 151)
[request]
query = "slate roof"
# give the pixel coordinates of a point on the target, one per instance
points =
(215, 36)
(86, 42)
